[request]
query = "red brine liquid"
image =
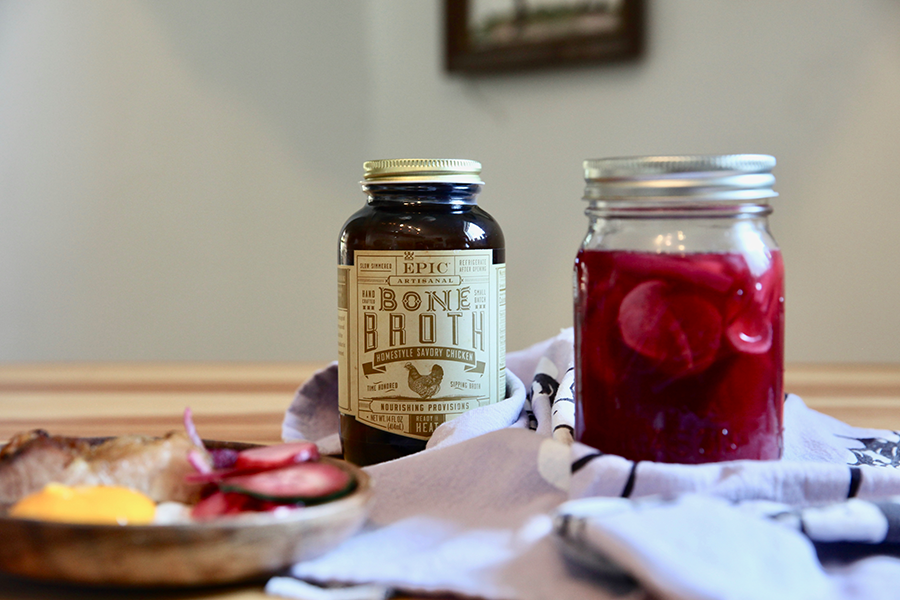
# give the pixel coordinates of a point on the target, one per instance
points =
(680, 357)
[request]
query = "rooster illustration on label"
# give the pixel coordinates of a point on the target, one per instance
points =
(425, 386)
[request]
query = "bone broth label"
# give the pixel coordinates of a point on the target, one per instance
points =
(421, 337)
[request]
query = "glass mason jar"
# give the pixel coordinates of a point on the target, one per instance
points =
(679, 310)
(421, 306)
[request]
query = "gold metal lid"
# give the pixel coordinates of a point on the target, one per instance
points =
(400, 170)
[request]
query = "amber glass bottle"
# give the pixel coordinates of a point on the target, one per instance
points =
(421, 306)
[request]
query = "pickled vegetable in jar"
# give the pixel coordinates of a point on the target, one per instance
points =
(421, 307)
(679, 310)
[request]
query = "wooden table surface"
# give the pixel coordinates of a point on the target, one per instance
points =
(246, 402)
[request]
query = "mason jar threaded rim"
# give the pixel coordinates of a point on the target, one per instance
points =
(664, 179)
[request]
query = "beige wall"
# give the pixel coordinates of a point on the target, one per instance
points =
(173, 174)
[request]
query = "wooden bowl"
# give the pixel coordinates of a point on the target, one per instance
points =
(223, 550)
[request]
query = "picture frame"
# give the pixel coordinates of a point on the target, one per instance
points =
(492, 36)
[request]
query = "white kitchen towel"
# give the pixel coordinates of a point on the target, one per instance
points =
(693, 546)
(699, 546)
(473, 513)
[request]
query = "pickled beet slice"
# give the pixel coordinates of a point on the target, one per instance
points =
(681, 332)
(308, 482)
(751, 316)
(273, 457)
(706, 273)
(220, 503)
(263, 458)
(750, 334)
